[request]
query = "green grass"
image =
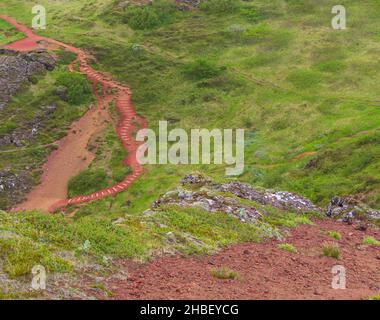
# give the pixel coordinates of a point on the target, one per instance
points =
(41, 239)
(371, 241)
(288, 220)
(87, 182)
(8, 33)
(331, 250)
(225, 273)
(335, 234)
(287, 247)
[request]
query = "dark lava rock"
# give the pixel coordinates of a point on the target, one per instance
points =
(18, 69)
(349, 209)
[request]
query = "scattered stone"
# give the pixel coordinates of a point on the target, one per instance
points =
(349, 209)
(210, 202)
(119, 220)
(279, 199)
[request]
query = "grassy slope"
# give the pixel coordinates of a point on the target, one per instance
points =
(294, 83)
(325, 85)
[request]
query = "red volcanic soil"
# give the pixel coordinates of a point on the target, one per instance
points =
(72, 156)
(266, 271)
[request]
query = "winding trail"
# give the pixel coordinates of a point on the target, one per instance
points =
(72, 155)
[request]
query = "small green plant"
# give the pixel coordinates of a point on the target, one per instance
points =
(150, 16)
(335, 234)
(202, 69)
(287, 247)
(368, 240)
(331, 250)
(102, 287)
(375, 297)
(225, 273)
(7, 127)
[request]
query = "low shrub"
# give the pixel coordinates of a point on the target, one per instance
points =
(78, 88)
(331, 250)
(224, 273)
(371, 241)
(149, 16)
(335, 234)
(202, 69)
(287, 247)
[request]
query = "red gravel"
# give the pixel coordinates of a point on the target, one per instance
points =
(267, 272)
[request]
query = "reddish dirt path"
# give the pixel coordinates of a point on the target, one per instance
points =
(72, 156)
(267, 272)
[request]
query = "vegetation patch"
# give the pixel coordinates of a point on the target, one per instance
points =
(202, 69)
(287, 247)
(368, 240)
(78, 88)
(143, 17)
(331, 250)
(87, 182)
(225, 273)
(335, 234)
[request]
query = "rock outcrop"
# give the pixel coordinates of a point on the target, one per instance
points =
(231, 198)
(17, 69)
(348, 209)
